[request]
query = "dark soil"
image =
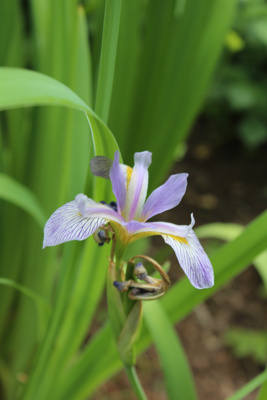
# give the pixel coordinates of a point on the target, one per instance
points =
(227, 183)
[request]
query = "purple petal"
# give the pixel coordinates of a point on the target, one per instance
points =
(67, 223)
(100, 166)
(118, 180)
(165, 197)
(77, 220)
(91, 209)
(134, 227)
(142, 229)
(137, 189)
(192, 259)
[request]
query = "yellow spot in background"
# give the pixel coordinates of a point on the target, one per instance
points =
(234, 42)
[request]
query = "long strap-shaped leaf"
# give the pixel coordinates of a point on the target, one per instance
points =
(24, 88)
(250, 386)
(19, 195)
(178, 377)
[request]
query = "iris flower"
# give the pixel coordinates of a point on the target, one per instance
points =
(79, 219)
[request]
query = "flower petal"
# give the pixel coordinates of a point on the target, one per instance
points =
(193, 259)
(140, 230)
(165, 197)
(100, 166)
(118, 180)
(91, 209)
(185, 244)
(137, 190)
(77, 220)
(67, 223)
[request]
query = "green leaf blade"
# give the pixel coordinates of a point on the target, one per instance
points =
(16, 193)
(176, 370)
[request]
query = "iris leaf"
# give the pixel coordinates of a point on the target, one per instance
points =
(24, 88)
(22, 197)
(249, 387)
(173, 360)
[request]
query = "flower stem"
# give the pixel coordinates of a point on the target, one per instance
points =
(135, 383)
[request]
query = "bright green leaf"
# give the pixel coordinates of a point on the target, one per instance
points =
(173, 360)
(19, 195)
(24, 88)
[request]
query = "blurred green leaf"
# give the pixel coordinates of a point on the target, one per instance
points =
(242, 95)
(253, 131)
(108, 57)
(16, 193)
(158, 88)
(263, 391)
(228, 232)
(247, 342)
(249, 387)
(34, 296)
(259, 30)
(23, 88)
(222, 231)
(177, 374)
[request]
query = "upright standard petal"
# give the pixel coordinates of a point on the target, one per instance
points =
(137, 189)
(119, 182)
(77, 220)
(165, 197)
(192, 259)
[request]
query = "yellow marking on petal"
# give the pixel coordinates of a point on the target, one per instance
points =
(129, 171)
(179, 239)
(120, 232)
(142, 235)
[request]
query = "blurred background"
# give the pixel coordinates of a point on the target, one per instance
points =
(190, 85)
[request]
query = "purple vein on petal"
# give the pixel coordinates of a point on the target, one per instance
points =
(67, 223)
(118, 180)
(193, 260)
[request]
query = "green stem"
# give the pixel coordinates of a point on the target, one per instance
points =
(249, 387)
(135, 383)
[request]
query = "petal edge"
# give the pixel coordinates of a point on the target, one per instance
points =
(193, 260)
(67, 224)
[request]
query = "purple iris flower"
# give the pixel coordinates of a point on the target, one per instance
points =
(80, 218)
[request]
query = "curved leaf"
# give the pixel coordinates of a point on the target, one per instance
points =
(22, 197)
(173, 360)
(24, 88)
(28, 292)
(249, 387)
